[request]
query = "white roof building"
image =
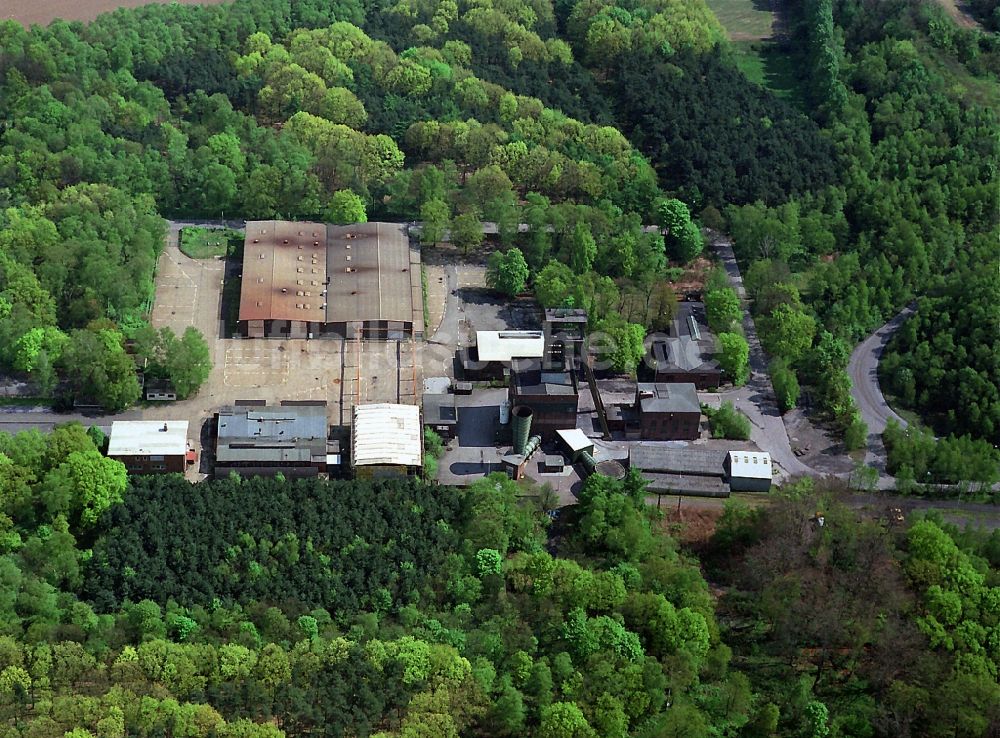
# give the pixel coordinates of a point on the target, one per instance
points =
(750, 464)
(148, 438)
(510, 345)
(387, 434)
(575, 439)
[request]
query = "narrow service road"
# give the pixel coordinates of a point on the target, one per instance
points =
(757, 399)
(863, 370)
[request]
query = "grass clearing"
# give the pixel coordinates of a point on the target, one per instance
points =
(744, 19)
(767, 64)
(423, 292)
(208, 243)
(751, 27)
(25, 401)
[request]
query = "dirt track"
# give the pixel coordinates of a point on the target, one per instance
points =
(28, 12)
(959, 13)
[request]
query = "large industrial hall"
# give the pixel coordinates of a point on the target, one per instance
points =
(313, 280)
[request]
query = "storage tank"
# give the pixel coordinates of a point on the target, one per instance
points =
(611, 468)
(504, 412)
(533, 443)
(607, 468)
(522, 427)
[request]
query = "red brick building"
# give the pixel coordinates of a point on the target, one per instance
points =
(150, 446)
(668, 412)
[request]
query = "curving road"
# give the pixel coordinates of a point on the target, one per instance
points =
(757, 400)
(863, 370)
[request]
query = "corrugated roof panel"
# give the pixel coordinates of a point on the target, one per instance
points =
(387, 433)
(372, 271)
(658, 457)
(369, 267)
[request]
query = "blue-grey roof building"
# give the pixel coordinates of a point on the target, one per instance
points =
(257, 440)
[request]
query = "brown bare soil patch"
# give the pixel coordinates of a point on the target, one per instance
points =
(691, 526)
(693, 279)
(43, 12)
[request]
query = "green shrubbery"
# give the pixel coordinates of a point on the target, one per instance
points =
(728, 422)
(916, 456)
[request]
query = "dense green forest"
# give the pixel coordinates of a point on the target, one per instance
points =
(860, 627)
(945, 362)
(583, 119)
(263, 608)
(319, 533)
(912, 212)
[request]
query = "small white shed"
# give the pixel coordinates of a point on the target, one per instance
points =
(749, 471)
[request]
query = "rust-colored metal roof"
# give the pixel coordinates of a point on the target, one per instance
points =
(329, 273)
(369, 268)
(284, 271)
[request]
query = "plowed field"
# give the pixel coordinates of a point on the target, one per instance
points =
(43, 12)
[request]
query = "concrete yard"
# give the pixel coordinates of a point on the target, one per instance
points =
(482, 441)
(189, 293)
(436, 277)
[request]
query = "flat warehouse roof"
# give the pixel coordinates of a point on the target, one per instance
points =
(510, 345)
(314, 272)
(440, 409)
(284, 271)
(386, 433)
(665, 397)
(370, 273)
(148, 437)
(261, 423)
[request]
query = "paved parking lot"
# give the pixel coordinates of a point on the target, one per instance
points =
(188, 291)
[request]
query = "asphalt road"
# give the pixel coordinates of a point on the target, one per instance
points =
(863, 369)
(14, 419)
(491, 228)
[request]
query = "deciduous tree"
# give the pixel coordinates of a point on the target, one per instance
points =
(734, 357)
(507, 272)
(787, 332)
(436, 220)
(347, 207)
(467, 231)
(723, 310)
